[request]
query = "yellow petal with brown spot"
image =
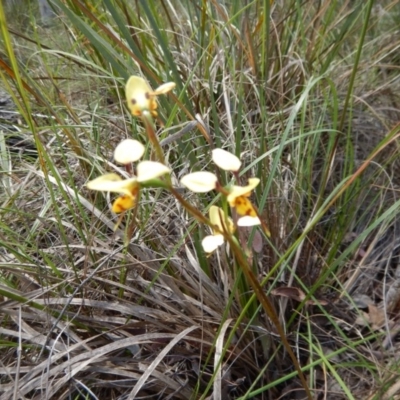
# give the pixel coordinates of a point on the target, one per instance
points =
(243, 206)
(139, 96)
(123, 203)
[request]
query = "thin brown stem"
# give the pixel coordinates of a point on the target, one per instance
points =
(151, 134)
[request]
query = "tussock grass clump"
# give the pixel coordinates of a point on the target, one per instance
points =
(128, 274)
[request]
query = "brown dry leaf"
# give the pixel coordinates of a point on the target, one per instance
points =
(295, 294)
(377, 316)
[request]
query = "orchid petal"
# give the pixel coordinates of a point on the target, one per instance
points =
(200, 182)
(147, 170)
(212, 242)
(237, 191)
(218, 218)
(164, 88)
(243, 206)
(123, 203)
(225, 160)
(128, 151)
(248, 221)
(113, 183)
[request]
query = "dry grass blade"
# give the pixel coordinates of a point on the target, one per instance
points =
(77, 197)
(55, 377)
(218, 361)
(149, 370)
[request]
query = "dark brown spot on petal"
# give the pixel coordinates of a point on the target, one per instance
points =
(147, 95)
(133, 101)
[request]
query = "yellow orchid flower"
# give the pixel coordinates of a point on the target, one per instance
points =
(141, 97)
(129, 188)
(238, 199)
(114, 183)
(221, 224)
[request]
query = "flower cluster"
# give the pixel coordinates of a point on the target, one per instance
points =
(127, 152)
(237, 197)
(141, 100)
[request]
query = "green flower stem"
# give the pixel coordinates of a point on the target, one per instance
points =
(242, 262)
(258, 290)
(267, 306)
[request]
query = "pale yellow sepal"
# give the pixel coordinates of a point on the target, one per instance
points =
(222, 222)
(237, 191)
(147, 170)
(212, 242)
(225, 160)
(128, 151)
(200, 182)
(164, 88)
(113, 183)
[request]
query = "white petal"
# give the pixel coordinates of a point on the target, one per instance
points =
(211, 243)
(199, 182)
(129, 150)
(147, 170)
(248, 221)
(225, 160)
